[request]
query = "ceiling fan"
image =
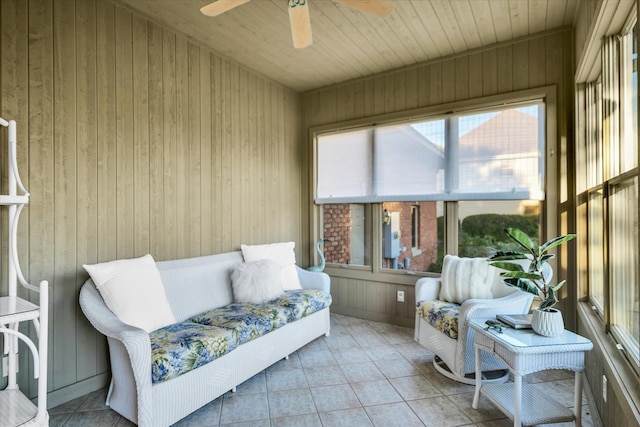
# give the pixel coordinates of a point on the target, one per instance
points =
(299, 14)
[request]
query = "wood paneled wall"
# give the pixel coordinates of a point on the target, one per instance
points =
(521, 64)
(537, 61)
(134, 140)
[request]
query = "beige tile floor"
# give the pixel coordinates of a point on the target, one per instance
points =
(365, 374)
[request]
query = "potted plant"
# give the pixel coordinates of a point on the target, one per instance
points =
(536, 279)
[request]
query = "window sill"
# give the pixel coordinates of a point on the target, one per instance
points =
(623, 381)
(399, 277)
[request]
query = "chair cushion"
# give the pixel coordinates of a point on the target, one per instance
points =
(442, 315)
(466, 278)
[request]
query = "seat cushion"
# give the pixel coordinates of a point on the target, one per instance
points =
(302, 303)
(246, 321)
(178, 348)
(442, 315)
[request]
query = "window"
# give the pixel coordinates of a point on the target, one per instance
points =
(596, 253)
(481, 231)
(389, 192)
(624, 266)
(344, 165)
(611, 193)
(410, 236)
(459, 157)
(593, 138)
(628, 143)
(345, 235)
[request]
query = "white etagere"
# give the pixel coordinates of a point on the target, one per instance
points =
(16, 409)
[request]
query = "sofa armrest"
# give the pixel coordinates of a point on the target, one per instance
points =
(135, 340)
(427, 289)
(103, 319)
(314, 280)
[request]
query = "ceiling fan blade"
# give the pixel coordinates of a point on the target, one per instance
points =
(221, 6)
(378, 7)
(300, 23)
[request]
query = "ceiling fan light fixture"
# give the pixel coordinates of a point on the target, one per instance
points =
(300, 22)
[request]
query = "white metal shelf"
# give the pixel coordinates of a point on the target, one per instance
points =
(16, 409)
(13, 200)
(538, 409)
(16, 309)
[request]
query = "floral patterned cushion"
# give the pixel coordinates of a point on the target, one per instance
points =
(441, 315)
(247, 321)
(181, 347)
(302, 303)
(178, 348)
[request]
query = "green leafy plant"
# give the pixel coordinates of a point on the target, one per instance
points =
(536, 280)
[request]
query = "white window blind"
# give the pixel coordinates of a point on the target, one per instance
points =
(405, 162)
(491, 155)
(345, 165)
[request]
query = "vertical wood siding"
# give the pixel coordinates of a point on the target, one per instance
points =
(534, 62)
(133, 140)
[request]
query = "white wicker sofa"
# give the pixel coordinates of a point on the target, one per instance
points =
(194, 286)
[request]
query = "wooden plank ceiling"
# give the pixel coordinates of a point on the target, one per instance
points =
(347, 43)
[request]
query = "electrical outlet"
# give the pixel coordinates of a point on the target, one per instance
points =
(400, 296)
(604, 388)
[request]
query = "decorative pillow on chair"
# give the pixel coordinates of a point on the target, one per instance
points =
(133, 291)
(256, 282)
(283, 254)
(466, 278)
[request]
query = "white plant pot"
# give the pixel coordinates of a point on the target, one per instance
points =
(547, 323)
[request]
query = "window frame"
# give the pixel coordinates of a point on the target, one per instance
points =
(548, 211)
(603, 171)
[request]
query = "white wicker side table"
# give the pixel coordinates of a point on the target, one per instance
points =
(526, 352)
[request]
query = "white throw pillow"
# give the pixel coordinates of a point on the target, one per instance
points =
(283, 254)
(256, 282)
(133, 291)
(466, 278)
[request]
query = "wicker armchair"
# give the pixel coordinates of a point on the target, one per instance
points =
(445, 305)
